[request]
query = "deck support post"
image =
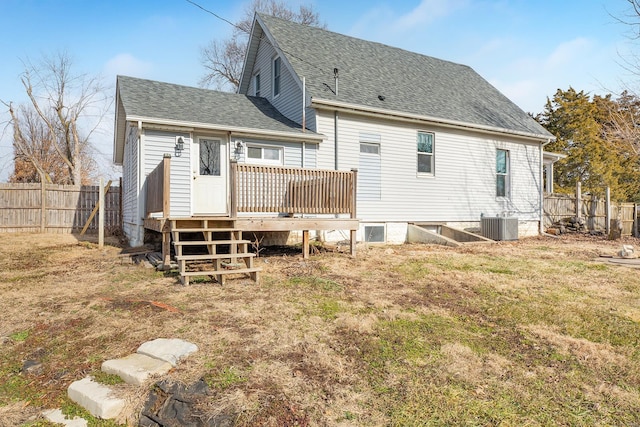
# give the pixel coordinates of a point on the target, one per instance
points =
(233, 184)
(305, 244)
(354, 195)
(166, 212)
(166, 245)
(352, 243)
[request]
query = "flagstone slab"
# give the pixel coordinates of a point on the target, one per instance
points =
(96, 398)
(56, 416)
(170, 350)
(136, 368)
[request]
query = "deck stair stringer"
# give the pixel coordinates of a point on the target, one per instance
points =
(214, 248)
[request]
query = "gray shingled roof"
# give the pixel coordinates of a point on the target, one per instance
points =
(164, 101)
(410, 82)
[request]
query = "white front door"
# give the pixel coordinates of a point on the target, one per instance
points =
(209, 170)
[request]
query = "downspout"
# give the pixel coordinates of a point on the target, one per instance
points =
(140, 239)
(304, 104)
(335, 122)
(335, 130)
(335, 139)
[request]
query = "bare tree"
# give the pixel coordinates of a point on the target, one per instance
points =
(32, 146)
(223, 60)
(64, 104)
(631, 18)
(35, 158)
(621, 121)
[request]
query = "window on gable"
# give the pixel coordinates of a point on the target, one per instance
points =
(425, 153)
(277, 65)
(256, 84)
(502, 173)
(265, 155)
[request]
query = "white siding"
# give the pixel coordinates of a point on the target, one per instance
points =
(326, 150)
(289, 102)
(463, 186)
(130, 216)
(156, 144)
(311, 156)
(310, 119)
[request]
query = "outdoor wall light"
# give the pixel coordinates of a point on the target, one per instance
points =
(238, 149)
(179, 146)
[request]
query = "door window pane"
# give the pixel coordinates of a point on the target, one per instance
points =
(209, 157)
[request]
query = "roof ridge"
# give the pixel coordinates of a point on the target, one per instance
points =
(335, 33)
(119, 76)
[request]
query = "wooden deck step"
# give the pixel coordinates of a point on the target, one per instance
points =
(209, 242)
(213, 256)
(225, 271)
(239, 255)
(219, 274)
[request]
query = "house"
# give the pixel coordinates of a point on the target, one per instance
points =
(431, 140)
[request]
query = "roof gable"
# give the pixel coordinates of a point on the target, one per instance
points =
(377, 76)
(159, 102)
(148, 99)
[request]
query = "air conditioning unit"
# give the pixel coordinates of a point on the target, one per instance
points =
(499, 228)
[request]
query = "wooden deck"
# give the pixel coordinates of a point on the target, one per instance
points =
(258, 224)
(259, 197)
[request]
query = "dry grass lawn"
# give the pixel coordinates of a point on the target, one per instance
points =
(526, 333)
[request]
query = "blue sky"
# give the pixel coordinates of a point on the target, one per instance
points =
(527, 49)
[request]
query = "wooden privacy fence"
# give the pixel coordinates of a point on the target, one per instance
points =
(596, 213)
(66, 208)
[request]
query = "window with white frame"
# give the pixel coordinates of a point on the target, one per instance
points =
(369, 170)
(277, 68)
(503, 173)
(256, 84)
(263, 154)
(425, 153)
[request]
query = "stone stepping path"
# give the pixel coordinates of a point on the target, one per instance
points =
(56, 416)
(152, 359)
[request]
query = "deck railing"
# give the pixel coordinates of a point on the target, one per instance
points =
(158, 185)
(292, 190)
(269, 189)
